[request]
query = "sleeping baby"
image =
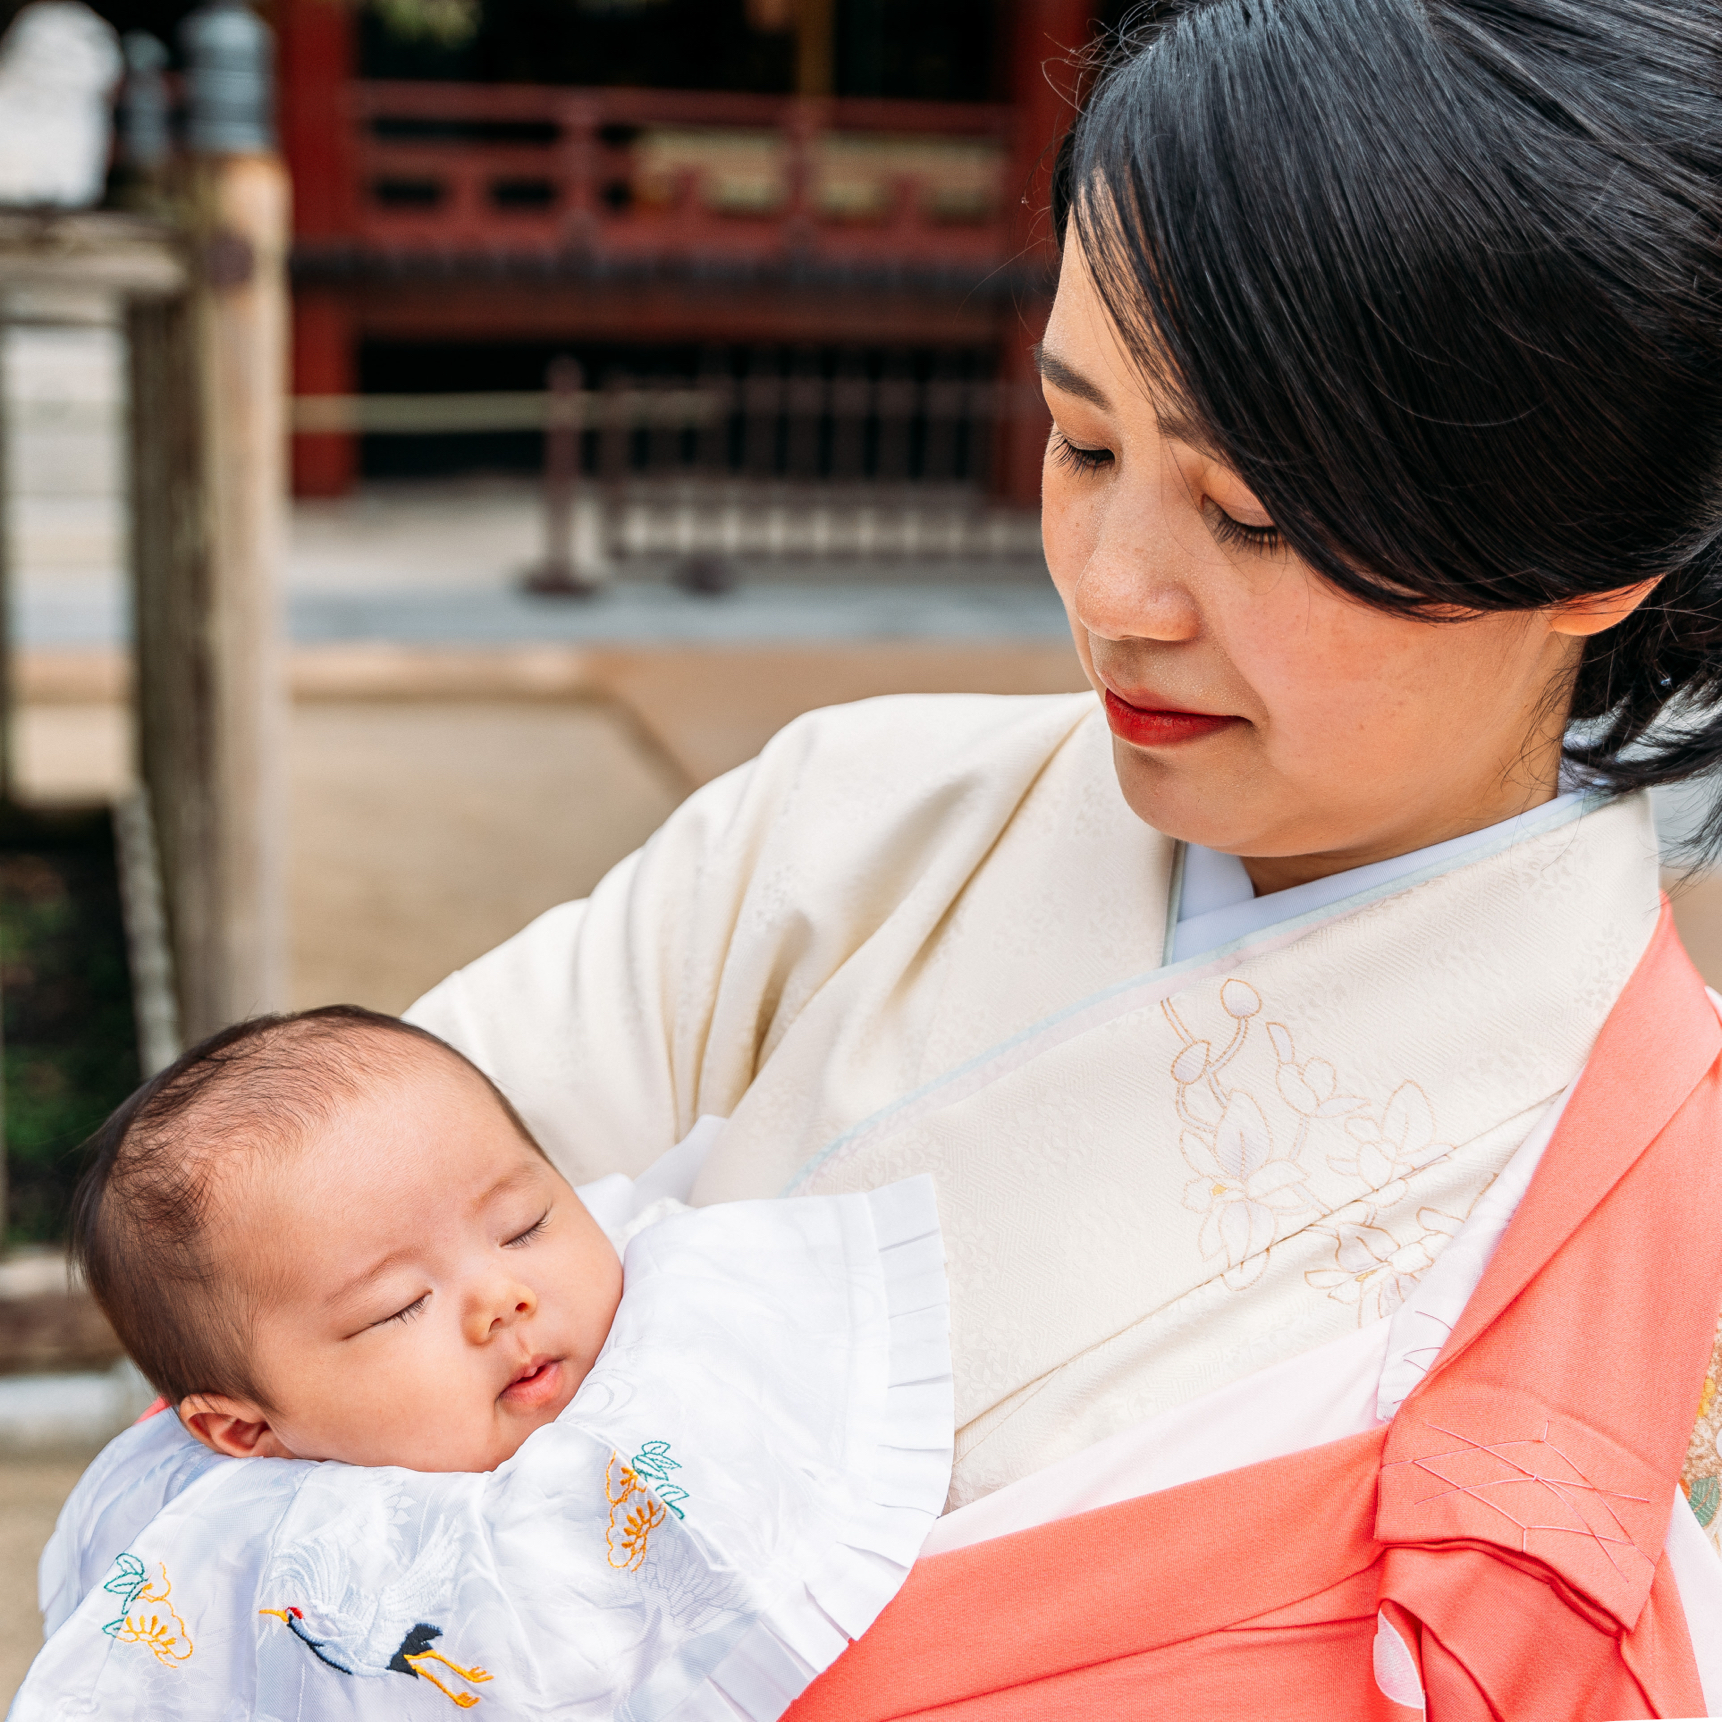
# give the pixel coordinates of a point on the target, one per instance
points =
(444, 1429)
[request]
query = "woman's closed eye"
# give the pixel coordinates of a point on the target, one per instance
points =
(1077, 457)
(1227, 530)
(530, 1233)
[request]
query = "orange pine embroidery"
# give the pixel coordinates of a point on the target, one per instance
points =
(634, 1514)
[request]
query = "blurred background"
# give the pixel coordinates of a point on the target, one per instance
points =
(435, 437)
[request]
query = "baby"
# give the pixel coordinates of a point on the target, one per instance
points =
(672, 1483)
(329, 1236)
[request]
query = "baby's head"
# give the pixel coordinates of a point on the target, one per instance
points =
(328, 1236)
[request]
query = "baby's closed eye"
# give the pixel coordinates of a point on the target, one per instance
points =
(416, 1307)
(530, 1233)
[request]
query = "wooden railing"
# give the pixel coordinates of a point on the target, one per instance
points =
(665, 174)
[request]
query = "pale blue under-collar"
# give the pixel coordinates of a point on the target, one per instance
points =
(1217, 903)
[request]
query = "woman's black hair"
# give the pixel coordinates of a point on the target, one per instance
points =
(1441, 280)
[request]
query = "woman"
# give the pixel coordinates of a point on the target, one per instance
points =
(1385, 484)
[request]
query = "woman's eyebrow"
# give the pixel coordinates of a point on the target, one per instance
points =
(1061, 376)
(1171, 423)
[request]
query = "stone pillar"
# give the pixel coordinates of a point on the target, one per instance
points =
(208, 392)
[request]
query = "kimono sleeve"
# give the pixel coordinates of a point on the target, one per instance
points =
(590, 1018)
(797, 894)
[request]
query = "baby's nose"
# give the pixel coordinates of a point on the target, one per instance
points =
(505, 1304)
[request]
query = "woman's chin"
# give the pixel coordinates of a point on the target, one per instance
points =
(1186, 796)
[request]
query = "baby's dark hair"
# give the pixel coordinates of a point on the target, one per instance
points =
(142, 1211)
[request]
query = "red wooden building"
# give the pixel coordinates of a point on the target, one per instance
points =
(441, 214)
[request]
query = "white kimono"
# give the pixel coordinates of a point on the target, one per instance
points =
(843, 946)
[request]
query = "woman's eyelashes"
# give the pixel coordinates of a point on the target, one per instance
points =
(1227, 530)
(530, 1233)
(1075, 456)
(1225, 527)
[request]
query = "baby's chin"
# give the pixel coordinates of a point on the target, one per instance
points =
(533, 1400)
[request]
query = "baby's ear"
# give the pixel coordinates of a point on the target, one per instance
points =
(231, 1426)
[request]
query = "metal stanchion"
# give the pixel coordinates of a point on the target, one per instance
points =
(563, 572)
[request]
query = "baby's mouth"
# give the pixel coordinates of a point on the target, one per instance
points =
(537, 1384)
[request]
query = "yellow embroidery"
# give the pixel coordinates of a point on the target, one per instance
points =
(634, 1515)
(161, 1630)
(477, 1676)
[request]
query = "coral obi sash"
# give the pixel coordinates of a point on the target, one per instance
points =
(1496, 1550)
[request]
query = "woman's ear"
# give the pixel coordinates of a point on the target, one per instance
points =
(1582, 617)
(231, 1426)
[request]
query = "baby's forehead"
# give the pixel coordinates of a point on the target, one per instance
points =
(297, 1106)
(385, 1138)
(317, 1068)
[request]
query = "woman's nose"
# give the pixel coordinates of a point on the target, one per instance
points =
(1134, 584)
(1124, 594)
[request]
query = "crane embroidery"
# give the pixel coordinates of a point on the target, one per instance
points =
(370, 1627)
(161, 1628)
(413, 1657)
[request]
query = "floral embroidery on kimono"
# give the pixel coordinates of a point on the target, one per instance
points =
(1251, 1190)
(641, 1497)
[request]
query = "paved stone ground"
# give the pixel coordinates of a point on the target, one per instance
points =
(31, 1491)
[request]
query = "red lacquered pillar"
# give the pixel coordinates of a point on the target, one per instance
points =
(316, 59)
(1046, 37)
(325, 463)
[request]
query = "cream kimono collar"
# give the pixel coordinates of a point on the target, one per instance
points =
(737, 1488)
(1264, 1146)
(1213, 903)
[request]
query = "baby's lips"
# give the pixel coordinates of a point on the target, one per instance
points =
(537, 1384)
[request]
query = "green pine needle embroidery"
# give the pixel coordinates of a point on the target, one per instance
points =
(654, 1464)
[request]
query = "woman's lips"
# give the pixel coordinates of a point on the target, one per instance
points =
(536, 1385)
(1159, 728)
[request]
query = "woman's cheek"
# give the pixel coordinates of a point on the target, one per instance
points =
(1067, 526)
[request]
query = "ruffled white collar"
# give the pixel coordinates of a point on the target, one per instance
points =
(737, 1489)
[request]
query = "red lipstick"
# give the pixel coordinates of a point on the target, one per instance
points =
(1143, 726)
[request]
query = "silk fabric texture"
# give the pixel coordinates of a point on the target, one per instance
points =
(1259, 1153)
(737, 1487)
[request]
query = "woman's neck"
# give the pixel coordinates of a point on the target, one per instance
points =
(1270, 873)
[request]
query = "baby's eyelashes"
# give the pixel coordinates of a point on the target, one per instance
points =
(406, 1314)
(531, 1231)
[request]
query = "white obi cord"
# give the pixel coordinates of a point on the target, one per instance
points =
(735, 1491)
